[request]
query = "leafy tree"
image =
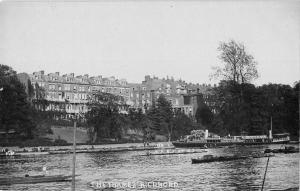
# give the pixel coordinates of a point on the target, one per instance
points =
(104, 115)
(235, 93)
(147, 125)
(183, 125)
(162, 116)
(281, 102)
(15, 111)
(259, 104)
(39, 98)
(204, 115)
(239, 67)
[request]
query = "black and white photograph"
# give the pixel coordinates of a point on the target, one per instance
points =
(154, 95)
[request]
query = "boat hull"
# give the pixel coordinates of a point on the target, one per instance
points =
(34, 179)
(204, 144)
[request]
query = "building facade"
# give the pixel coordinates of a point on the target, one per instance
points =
(71, 93)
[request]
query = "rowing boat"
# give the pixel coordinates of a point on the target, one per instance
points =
(34, 179)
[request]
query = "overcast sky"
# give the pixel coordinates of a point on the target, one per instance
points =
(130, 39)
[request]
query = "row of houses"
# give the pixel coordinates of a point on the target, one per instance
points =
(71, 93)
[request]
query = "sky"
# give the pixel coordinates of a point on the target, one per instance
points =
(130, 39)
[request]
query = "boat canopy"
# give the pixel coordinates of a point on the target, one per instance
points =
(255, 137)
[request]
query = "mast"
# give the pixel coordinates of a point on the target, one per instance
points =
(271, 129)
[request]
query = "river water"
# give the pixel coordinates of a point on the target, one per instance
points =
(130, 167)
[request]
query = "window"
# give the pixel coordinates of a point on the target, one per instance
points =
(51, 86)
(67, 87)
(41, 84)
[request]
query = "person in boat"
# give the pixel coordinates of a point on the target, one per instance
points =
(10, 153)
(5, 150)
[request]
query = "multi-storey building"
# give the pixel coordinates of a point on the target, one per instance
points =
(70, 93)
(176, 91)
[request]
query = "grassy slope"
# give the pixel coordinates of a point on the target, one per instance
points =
(66, 133)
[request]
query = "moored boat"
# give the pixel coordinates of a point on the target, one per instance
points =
(211, 158)
(203, 140)
(34, 179)
(173, 152)
(284, 150)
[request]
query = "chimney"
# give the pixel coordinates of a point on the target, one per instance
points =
(57, 73)
(42, 72)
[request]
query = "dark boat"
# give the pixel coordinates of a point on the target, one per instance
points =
(203, 140)
(284, 150)
(211, 158)
(34, 179)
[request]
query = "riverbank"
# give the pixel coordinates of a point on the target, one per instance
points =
(88, 148)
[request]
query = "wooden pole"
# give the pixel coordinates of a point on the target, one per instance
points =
(74, 158)
(271, 124)
(262, 187)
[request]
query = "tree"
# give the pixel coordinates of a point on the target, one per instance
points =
(39, 100)
(233, 92)
(239, 67)
(182, 125)
(204, 115)
(104, 115)
(162, 116)
(16, 113)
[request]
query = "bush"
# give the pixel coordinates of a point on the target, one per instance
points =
(60, 142)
